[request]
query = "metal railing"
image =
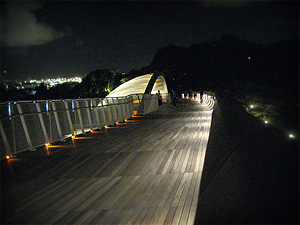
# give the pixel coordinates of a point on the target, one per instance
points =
(25, 125)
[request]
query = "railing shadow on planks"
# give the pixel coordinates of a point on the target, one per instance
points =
(26, 125)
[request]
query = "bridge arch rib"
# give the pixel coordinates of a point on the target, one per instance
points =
(144, 84)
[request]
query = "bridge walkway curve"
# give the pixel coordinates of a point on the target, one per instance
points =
(145, 170)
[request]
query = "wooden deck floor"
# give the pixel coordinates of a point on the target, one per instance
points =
(144, 171)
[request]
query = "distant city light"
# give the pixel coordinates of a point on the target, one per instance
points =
(291, 136)
(252, 106)
(55, 81)
(249, 57)
(266, 121)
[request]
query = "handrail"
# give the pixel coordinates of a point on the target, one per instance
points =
(26, 125)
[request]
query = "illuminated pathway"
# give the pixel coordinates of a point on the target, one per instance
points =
(144, 171)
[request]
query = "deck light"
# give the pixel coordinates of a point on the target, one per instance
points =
(266, 121)
(47, 144)
(252, 106)
(291, 136)
(7, 157)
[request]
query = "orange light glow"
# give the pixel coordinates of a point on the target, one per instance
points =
(47, 144)
(135, 112)
(134, 116)
(73, 136)
(85, 138)
(61, 146)
(95, 131)
(7, 157)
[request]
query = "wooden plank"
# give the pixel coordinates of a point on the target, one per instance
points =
(156, 197)
(130, 193)
(148, 216)
(84, 194)
(98, 193)
(139, 192)
(134, 215)
(184, 164)
(197, 189)
(140, 216)
(109, 216)
(127, 216)
(177, 215)
(185, 215)
(173, 192)
(82, 217)
(192, 190)
(162, 215)
(170, 215)
(37, 196)
(192, 215)
(113, 197)
(70, 195)
(176, 178)
(186, 189)
(164, 167)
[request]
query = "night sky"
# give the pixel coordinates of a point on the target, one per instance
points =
(63, 39)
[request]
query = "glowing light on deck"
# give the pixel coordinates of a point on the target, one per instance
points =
(266, 122)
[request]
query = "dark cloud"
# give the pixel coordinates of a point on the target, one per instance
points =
(21, 27)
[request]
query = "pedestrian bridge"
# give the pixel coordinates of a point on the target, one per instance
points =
(103, 165)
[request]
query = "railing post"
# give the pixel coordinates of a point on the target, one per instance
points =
(123, 109)
(113, 111)
(69, 118)
(103, 112)
(88, 113)
(131, 105)
(96, 109)
(56, 120)
(117, 109)
(8, 151)
(79, 116)
(38, 108)
(109, 112)
(127, 106)
(24, 127)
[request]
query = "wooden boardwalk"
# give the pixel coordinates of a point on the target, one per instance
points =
(144, 171)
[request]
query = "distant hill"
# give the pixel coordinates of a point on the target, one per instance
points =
(231, 64)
